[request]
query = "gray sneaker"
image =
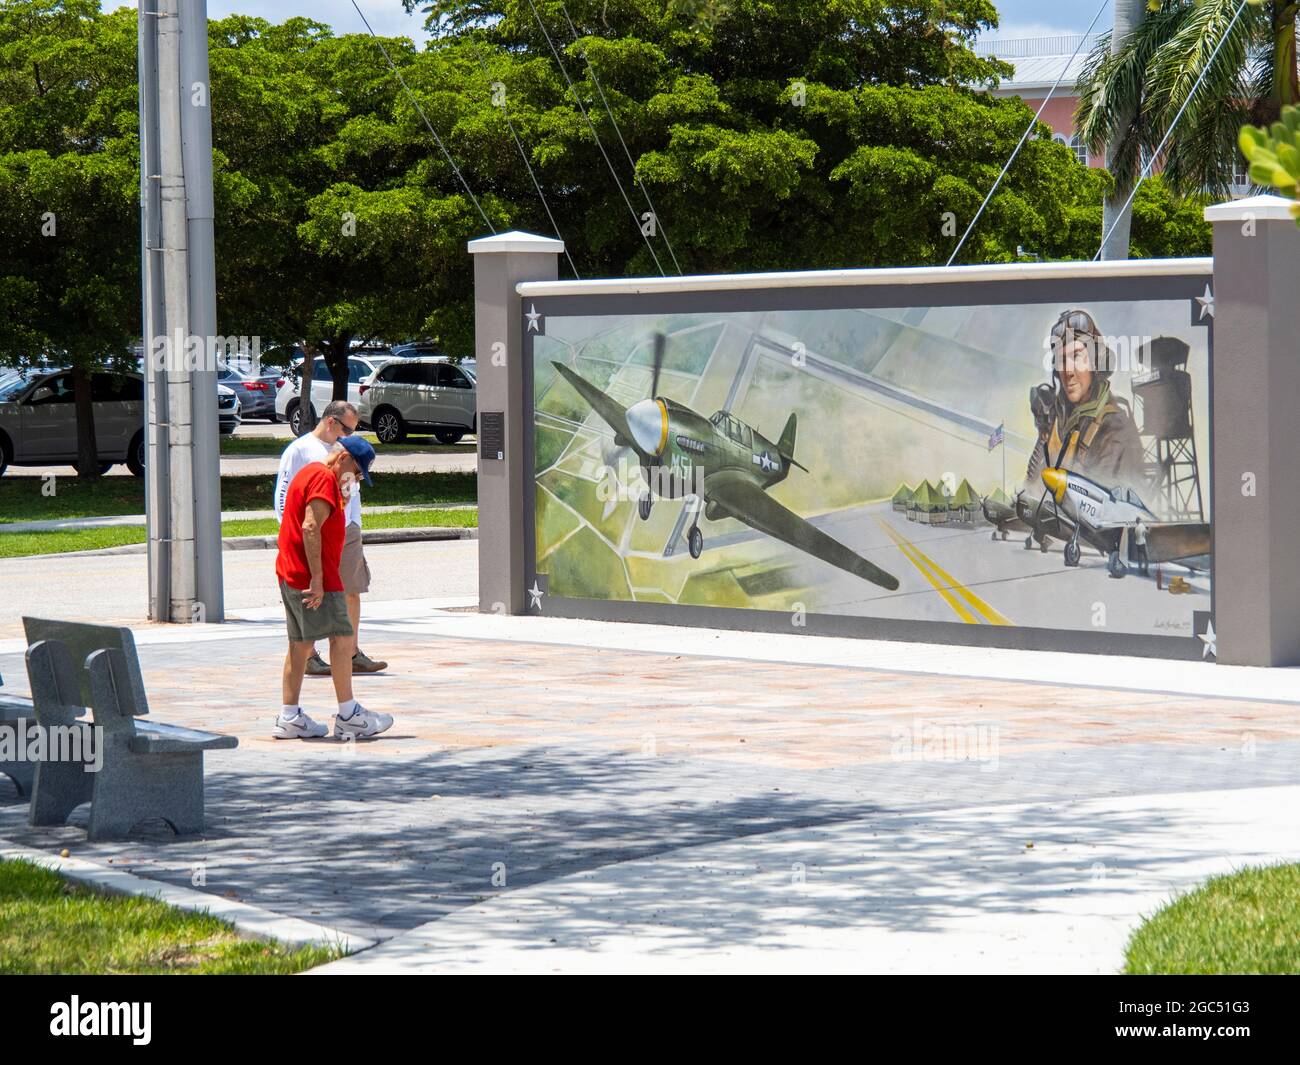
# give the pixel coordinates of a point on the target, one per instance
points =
(361, 725)
(299, 728)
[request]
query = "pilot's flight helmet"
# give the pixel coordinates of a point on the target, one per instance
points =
(1079, 325)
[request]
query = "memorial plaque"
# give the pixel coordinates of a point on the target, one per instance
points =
(492, 434)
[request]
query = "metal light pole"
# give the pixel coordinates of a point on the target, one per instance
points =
(157, 493)
(196, 149)
(1116, 212)
(179, 302)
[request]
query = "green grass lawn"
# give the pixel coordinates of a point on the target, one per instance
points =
(1247, 922)
(267, 446)
(49, 925)
(14, 545)
(22, 498)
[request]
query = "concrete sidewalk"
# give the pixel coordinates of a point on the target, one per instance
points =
(668, 781)
(116, 520)
(113, 589)
(1046, 888)
(264, 465)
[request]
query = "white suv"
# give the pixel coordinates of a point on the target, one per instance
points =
(287, 403)
(426, 394)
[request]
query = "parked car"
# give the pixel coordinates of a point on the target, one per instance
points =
(416, 349)
(422, 349)
(376, 353)
(38, 418)
(419, 395)
(256, 393)
(288, 402)
(229, 415)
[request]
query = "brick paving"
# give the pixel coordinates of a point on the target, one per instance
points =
(531, 761)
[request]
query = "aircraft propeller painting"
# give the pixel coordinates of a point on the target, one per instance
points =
(1074, 507)
(720, 460)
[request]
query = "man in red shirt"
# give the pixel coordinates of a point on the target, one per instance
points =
(312, 531)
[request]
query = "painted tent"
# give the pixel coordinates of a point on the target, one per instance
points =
(965, 502)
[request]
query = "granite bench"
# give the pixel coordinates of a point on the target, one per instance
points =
(146, 769)
(15, 713)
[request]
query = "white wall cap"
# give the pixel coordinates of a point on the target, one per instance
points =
(1263, 208)
(516, 241)
(888, 276)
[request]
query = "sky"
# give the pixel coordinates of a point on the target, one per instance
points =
(388, 17)
(1047, 18)
(1019, 18)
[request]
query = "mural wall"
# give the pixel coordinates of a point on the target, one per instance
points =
(1032, 464)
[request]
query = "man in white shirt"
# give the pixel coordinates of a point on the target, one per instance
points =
(1139, 535)
(339, 419)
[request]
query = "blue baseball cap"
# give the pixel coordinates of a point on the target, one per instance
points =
(361, 451)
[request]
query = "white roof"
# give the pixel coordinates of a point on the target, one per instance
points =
(1039, 61)
(1041, 72)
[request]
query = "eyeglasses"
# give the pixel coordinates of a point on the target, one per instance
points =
(343, 427)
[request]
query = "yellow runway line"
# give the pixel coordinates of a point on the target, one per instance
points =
(943, 581)
(909, 551)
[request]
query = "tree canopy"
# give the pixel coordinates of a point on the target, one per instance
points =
(800, 135)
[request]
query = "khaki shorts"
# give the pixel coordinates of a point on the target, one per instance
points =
(308, 626)
(354, 569)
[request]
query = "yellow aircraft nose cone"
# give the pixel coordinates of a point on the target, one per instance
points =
(648, 420)
(1054, 478)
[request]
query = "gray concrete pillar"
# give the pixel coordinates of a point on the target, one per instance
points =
(500, 263)
(1256, 432)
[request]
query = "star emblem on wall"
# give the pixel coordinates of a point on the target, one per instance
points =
(535, 597)
(1206, 303)
(534, 317)
(1210, 641)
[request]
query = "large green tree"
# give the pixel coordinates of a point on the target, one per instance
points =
(769, 136)
(334, 229)
(69, 192)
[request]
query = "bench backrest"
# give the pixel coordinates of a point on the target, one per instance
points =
(110, 691)
(55, 681)
(81, 640)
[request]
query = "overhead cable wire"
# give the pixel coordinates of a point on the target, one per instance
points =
(1151, 162)
(420, 111)
(1025, 136)
(573, 91)
(536, 184)
(659, 226)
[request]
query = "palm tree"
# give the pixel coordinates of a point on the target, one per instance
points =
(1129, 97)
(1117, 215)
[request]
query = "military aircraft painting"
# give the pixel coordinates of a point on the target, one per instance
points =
(722, 462)
(1073, 507)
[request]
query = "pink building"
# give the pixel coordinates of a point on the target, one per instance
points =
(1039, 62)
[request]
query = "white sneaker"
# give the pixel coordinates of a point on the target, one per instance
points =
(299, 728)
(361, 724)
